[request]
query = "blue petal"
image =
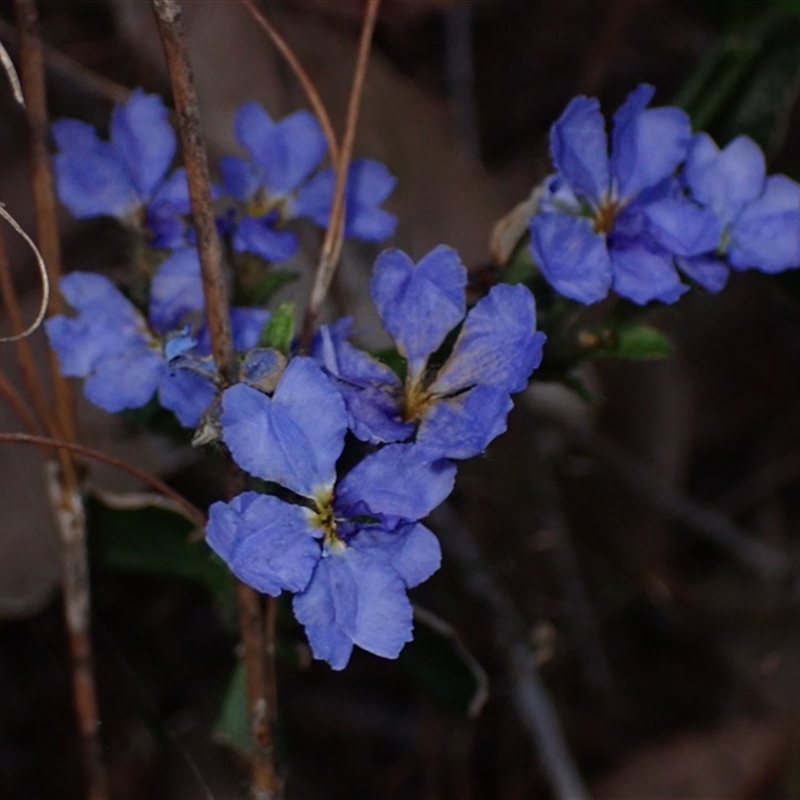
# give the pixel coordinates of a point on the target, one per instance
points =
(398, 480)
(369, 183)
(106, 326)
(259, 236)
(572, 257)
(647, 145)
(267, 543)
(642, 275)
(246, 327)
(498, 344)
(187, 394)
(240, 178)
(726, 180)
(293, 438)
(354, 599)
(374, 414)
(142, 135)
(419, 304)
(166, 214)
(176, 290)
(462, 426)
(91, 177)
(767, 234)
(410, 549)
(287, 152)
(346, 362)
(128, 380)
(580, 149)
(710, 273)
(681, 227)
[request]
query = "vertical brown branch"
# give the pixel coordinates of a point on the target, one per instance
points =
(169, 17)
(47, 237)
(170, 25)
(62, 480)
(334, 235)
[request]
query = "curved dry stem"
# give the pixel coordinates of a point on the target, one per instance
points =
(191, 510)
(312, 95)
(11, 73)
(334, 235)
(42, 272)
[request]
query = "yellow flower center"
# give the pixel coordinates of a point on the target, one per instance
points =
(606, 215)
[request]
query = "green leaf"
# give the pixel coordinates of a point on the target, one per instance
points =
(232, 727)
(279, 330)
(633, 342)
(437, 659)
(156, 541)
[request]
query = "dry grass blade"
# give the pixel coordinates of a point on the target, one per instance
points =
(334, 235)
(42, 271)
(314, 100)
(13, 78)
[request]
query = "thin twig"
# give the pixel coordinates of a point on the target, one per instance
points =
(533, 703)
(61, 475)
(11, 74)
(70, 519)
(312, 95)
(21, 334)
(192, 512)
(27, 366)
(18, 405)
(169, 17)
(334, 235)
(265, 785)
(260, 696)
(76, 73)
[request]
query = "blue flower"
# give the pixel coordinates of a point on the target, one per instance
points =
(125, 177)
(369, 183)
(125, 360)
(452, 409)
(283, 155)
(759, 216)
(280, 182)
(348, 548)
(598, 225)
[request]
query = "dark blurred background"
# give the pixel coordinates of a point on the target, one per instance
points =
(674, 665)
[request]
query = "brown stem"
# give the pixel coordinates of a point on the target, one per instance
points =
(266, 785)
(63, 487)
(334, 235)
(70, 519)
(30, 377)
(191, 511)
(169, 17)
(18, 406)
(47, 236)
(170, 26)
(312, 95)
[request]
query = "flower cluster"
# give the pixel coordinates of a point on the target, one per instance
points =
(129, 177)
(126, 354)
(662, 203)
(350, 545)
(346, 455)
